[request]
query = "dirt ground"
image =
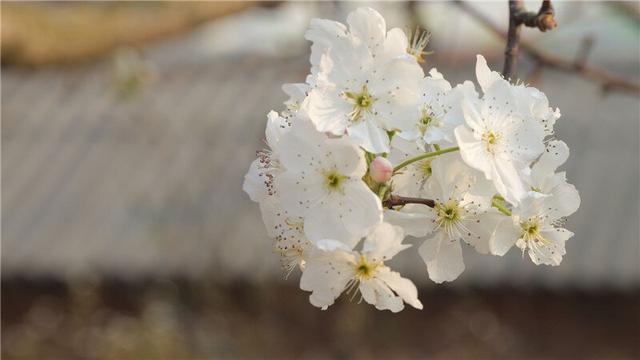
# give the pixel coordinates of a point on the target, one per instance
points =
(178, 319)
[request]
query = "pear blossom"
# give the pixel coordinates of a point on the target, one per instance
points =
(323, 184)
(368, 86)
(258, 182)
(287, 230)
(368, 103)
(365, 40)
(544, 179)
(409, 181)
(535, 225)
(530, 101)
(368, 129)
(335, 268)
(440, 110)
(462, 211)
(498, 139)
(297, 94)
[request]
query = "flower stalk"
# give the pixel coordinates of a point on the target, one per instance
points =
(424, 156)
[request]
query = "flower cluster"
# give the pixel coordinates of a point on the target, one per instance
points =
(369, 150)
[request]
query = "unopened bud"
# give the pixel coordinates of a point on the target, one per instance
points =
(380, 170)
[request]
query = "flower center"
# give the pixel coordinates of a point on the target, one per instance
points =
(490, 140)
(333, 180)
(425, 167)
(425, 121)
(531, 231)
(361, 101)
(364, 268)
(449, 216)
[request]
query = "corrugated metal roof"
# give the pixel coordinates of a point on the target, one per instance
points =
(152, 185)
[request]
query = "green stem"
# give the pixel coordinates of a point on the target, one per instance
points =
(497, 203)
(382, 191)
(424, 156)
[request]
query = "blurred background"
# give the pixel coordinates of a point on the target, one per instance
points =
(127, 129)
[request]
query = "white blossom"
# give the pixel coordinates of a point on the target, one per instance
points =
(367, 83)
(322, 182)
(258, 182)
(498, 139)
(462, 211)
(536, 226)
(409, 181)
(440, 110)
(334, 268)
(367, 128)
(530, 101)
(287, 230)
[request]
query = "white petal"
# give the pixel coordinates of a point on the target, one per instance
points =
(369, 26)
(447, 264)
(322, 222)
(276, 128)
(302, 147)
(298, 192)
(480, 230)
(472, 151)
(380, 295)
(347, 157)
(431, 247)
(332, 245)
(361, 209)
(328, 110)
(556, 153)
(326, 275)
(564, 201)
(485, 76)
(396, 43)
(254, 182)
(397, 88)
(401, 286)
(371, 136)
(549, 254)
(384, 242)
(508, 181)
(323, 33)
(504, 237)
(413, 223)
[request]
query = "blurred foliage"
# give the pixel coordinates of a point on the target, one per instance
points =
(58, 32)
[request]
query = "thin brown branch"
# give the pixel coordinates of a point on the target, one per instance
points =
(395, 200)
(544, 20)
(513, 41)
(605, 79)
(583, 52)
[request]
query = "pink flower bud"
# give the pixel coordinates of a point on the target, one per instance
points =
(380, 170)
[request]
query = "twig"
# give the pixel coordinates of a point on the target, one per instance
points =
(395, 200)
(544, 20)
(605, 79)
(583, 52)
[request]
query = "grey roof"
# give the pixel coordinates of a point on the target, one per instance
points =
(151, 185)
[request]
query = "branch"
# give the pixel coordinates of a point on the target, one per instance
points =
(544, 20)
(605, 79)
(395, 200)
